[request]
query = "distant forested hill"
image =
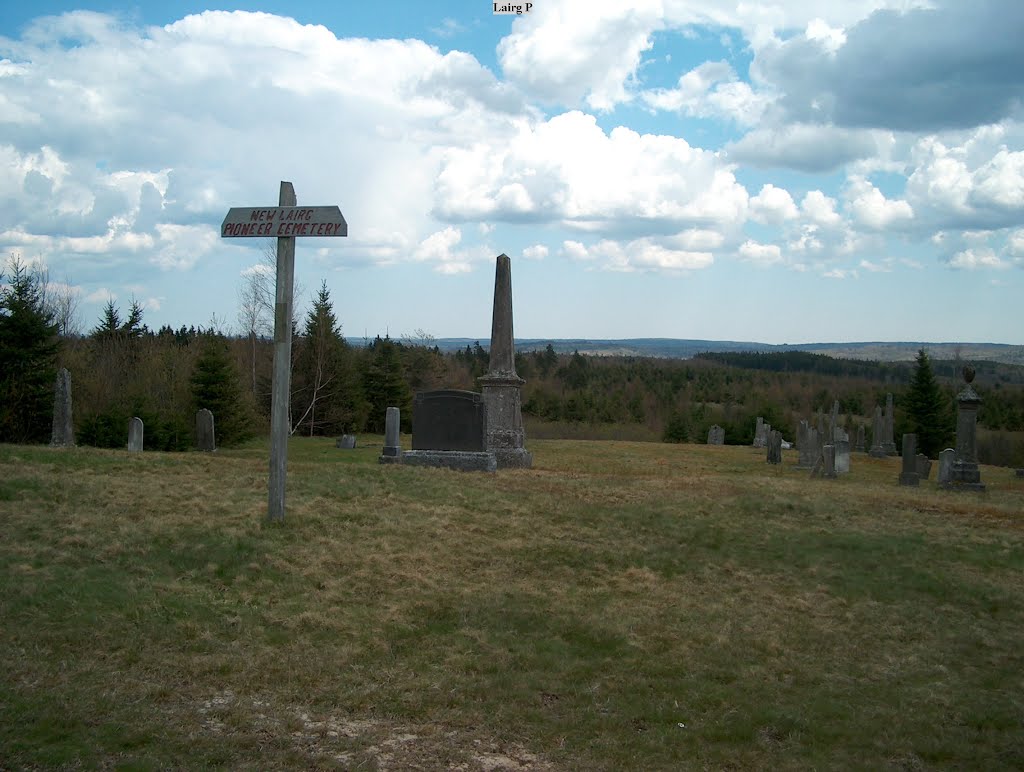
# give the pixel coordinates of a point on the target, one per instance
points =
(677, 348)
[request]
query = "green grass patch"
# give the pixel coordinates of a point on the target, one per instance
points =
(620, 606)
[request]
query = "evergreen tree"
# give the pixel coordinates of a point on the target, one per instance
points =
(28, 358)
(216, 386)
(109, 324)
(927, 409)
(384, 384)
(327, 393)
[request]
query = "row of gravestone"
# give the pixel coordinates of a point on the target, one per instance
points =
(63, 431)
(958, 468)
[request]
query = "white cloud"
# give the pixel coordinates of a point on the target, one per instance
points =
(535, 252)
(871, 209)
(569, 52)
(772, 205)
(820, 209)
(831, 39)
(580, 50)
(182, 246)
(873, 267)
(647, 254)
(1015, 243)
(711, 90)
(1000, 182)
(761, 254)
(574, 250)
(185, 101)
(259, 269)
(448, 28)
(840, 273)
(439, 248)
(548, 172)
(973, 259)
(101, 295)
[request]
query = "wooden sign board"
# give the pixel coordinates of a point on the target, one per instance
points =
(283, 221)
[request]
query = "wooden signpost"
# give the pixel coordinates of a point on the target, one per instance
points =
(285, 222)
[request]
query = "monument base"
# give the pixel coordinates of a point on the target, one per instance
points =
(505, 436)
(877, 452)
(461, 460)
(513, 458)
(889, 448)
(910, 478)
(390, 455)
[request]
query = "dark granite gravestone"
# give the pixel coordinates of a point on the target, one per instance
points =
(774, 455)
(449, 419)
(909, 475)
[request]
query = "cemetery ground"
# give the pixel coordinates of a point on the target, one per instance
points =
(620, 606)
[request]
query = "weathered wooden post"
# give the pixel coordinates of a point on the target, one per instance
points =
(285, 221)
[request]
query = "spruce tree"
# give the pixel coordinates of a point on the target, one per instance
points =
(216, 386)
(327, 394)
(928, 409)
(28, 358)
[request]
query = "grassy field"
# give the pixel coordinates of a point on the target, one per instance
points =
(620, 606)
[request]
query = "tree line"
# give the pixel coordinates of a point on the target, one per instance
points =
(121, 368)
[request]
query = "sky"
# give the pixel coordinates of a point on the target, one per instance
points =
(780, 172)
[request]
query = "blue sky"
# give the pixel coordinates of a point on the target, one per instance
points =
(782, 172)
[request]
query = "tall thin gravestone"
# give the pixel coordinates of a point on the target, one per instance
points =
(63, 433)
(860, 446)
(774, 455)
(888, 426)
(205, 438)
(286, 221)
(842, 456)
(807, 446)
(908, 474)
(965, 474)
(833, 422)
(825, 465)
(392, 451)
(135, 430)
(501, 386)
(877, 451)
(760, 433)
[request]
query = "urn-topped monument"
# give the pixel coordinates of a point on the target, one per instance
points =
(500, 387)
(964, 474)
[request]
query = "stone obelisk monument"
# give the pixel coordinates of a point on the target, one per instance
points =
(501, 386)
(965, 475)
